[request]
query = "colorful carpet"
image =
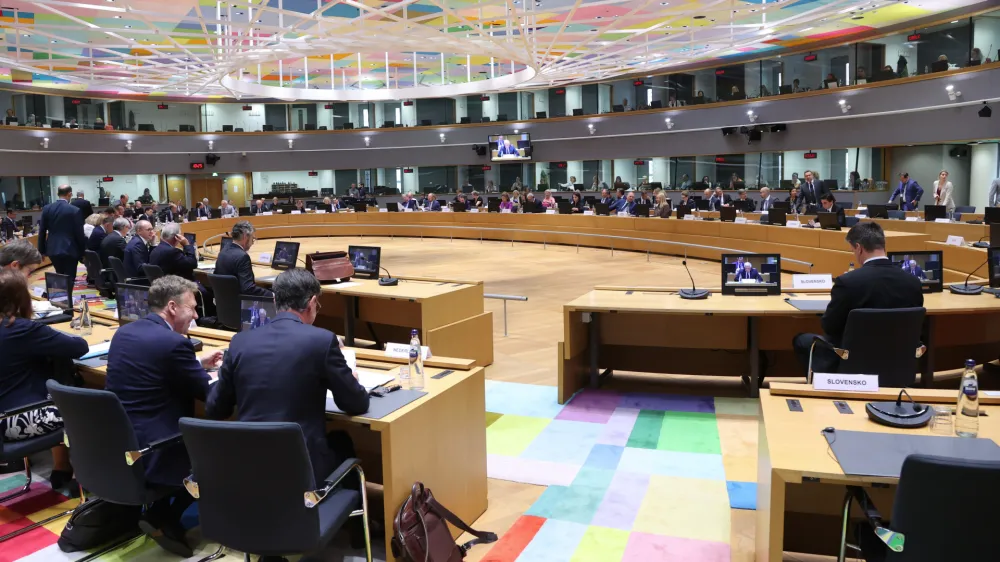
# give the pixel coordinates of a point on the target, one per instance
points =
(630, 476)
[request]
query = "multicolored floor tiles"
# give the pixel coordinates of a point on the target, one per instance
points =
(631, 477)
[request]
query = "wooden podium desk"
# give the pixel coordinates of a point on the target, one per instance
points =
(654, 330)
(439, 440)
(800, 485)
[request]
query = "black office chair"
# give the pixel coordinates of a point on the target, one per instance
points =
(266, 505)
(19, 451)
(882, 341)
(851, 221)
(105, 453)
(101, 277)
(943, 510)
(119, 269)
(227, 300)
(152, 272)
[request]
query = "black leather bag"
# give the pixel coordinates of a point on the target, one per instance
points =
(98, 522)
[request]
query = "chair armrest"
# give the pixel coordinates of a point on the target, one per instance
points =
(132, 456)
(26, 408)
(315, 497)
(892, 539)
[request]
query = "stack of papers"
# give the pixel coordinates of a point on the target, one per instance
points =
(208, 265)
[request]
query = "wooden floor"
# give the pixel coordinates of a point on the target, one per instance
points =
(549, 276)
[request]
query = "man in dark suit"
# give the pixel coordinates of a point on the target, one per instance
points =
(153, 370)
(748, 271)
(913, 269)
(409, 202)
(258, 208)
(8, 224)
(264, 383)
(174, 254)
(718, 200)
(606, 197)
(203, 212)
(235, 260)
(170, 214)
(812, 189)
(100, 232)
(748, 205)
(830, 206)
(877, 284)
(909, 192)
(137, 250)
(432, 203)
(114, 243)
(60, 233)
(629, 204)
(81, 203)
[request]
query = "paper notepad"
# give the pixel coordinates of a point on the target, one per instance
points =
(97, 349)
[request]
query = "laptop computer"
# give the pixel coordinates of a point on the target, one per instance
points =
(828, 221)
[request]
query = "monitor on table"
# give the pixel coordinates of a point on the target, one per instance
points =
(642, 209)
(531, 207)
(994, 260)
(878, 211)
(59, 289)
(493, 205)
(928, 267)
(783, 205)
(133, 302)
(682, 211)
(361, 207)
(601, 209)
(392, 207)
(777, 217)
(365, 259)
(256, 311)
(992, 215)
(934, 212)
(994, 235)
(702, 204)
(741, 205)
(458, 207)
(565, 207)
(828, 220)
(728, 214)
(285, 255)
(751, 274)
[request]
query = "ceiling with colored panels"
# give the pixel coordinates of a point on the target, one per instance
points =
(400, 48)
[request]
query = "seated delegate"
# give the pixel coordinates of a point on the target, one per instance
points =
(153, 370)
(30, 354)
(876, 284)
(829, 203)
(264, 383)
(577, 205)
(20, 255)
(748, 272)
(235, 260)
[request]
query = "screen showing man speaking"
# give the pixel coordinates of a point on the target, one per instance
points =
(925, 266)
(751, 274)
(510, 147)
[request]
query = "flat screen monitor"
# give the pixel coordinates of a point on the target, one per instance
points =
(783, 205)
(702, 204)
(751, 274)
(493, 205)
(925, 266)
(59, 289)
(192, 238)
(392, 207)
(742, 205)
(256, 311)
(133, 302)
(285, 255)
(995, 235)
(994, 261)
(682, 211)
(565, 207)
(878, 211)
(642, 210)
(216, 213)
(365, 259)
(777, 217)
(992, 215)
(226, 242)
(601, 209)
(828, 220)
(361, 207)
(934, 212)
(459, 207)
(505, 148)
(728, 214)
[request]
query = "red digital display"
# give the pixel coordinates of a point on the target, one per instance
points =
(407, 103)
(639, 162)
(197, 165)
(107, 178)
(638, 83)
(247, 107)
(810, 58)
(487, 168)
(560, 165)
(328, 106)
(313, 174)
(914, 37)
(561, 91)
(484, 98)
(809, 155)
(407, 170)
(161, 106)
(720, 72)
(76, 102)
(720, 160)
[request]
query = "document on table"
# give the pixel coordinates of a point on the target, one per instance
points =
(206, 266)
(97, 349)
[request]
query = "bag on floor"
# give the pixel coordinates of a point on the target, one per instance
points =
(420, 530)
(98, 522)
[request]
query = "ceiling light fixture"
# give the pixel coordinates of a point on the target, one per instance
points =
(291, 143)
(442, 137)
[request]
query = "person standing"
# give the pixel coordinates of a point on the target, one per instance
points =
(81, 203)
(812, 189)
(909, 191)
(60, 233)
(994, 197)
(943, 192)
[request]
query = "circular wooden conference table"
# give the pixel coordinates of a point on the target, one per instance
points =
(720, 336)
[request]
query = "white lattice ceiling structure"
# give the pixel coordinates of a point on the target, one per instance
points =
(385, 49)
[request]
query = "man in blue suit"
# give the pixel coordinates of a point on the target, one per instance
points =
(409, 202)
(628, 204)
(748, 272)
(60, 233)
(153, 370)
(913, 269)
(506, 149)
(265, 383)
(606, 197)
(909, 190)
(432, 203)
(235, 260)
(137, 250)
(99, 232)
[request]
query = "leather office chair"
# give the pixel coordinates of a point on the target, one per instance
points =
(102, 277)
(14, 451)
(267, 505)
(119, 268)
(965, 209)
(880, 341)
(851, 221)
(227, 300)
(104, 450)
(152, 272)
(901, 215)
(930, 487)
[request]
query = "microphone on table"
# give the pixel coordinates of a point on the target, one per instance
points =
(388, 280)
(966, 289)
(694, 293)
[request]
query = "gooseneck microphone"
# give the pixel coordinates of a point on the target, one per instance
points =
(965, 288)
(694, 293)
(388, 280)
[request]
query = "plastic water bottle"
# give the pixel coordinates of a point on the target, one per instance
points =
(86, 324)
(416, 363)
(967, 412)
(850, 268)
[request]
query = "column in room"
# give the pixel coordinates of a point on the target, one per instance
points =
(984, 169)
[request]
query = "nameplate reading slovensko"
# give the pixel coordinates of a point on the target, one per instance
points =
(942, 220)
(837, 381)
(812, 281)
(402, 351)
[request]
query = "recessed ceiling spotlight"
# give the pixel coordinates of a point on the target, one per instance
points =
(118, 17)
(54, 41)
(128, 27)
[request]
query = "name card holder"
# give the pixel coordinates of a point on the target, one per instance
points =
(838, 381)
(402, 351)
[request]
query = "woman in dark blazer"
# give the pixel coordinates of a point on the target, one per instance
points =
(25, 350)
(577, 205)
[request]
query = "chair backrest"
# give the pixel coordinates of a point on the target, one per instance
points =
(897, 214)
(883, 342)
(227, 299)
(965, 209)
(99, 434)
(932, 486)
(93, 262)
(119, 268)
(248, 501)
(851, 221)
(152, 272)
